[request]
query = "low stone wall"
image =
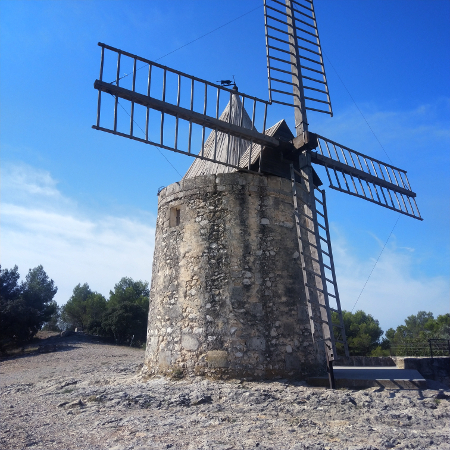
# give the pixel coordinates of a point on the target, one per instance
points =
(437, 368)
(363, 361)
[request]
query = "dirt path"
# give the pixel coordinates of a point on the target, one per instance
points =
(89, 395)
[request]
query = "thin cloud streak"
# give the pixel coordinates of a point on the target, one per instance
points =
(395, 290)
(40, 227)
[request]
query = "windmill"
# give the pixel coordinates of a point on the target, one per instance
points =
(190, 106)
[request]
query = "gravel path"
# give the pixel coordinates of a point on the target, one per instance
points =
(89, 395)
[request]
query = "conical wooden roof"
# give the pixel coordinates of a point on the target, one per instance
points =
(236, 146)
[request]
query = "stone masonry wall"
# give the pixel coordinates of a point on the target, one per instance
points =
(437, 368)
(226, 297)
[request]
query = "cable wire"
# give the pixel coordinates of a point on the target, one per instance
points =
(159, 150)
(357, 107)
(373, 268)
(385, 152)
(191, 42)
(210, 32)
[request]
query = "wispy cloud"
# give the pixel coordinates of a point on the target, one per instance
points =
(23, 184)
(395, 290)
(42, 226)
(403, 133)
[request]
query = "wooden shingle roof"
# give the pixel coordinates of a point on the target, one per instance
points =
(238, 149)
(256, 148)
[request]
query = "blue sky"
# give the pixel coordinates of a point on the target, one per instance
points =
(83, 203)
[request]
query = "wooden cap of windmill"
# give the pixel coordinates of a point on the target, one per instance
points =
(223, 147)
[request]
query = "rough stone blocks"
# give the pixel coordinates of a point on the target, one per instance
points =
(227, 297)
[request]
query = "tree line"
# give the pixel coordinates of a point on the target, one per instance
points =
(29, 306)
(365, 336)
(122, 317)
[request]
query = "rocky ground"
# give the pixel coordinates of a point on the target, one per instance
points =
(90, 395)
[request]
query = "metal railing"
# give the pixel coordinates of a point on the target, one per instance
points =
(431, 348)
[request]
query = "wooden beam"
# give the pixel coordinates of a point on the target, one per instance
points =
(344, 168)
(186, 114)
(305, 141)
(384, 205)
(301, 122)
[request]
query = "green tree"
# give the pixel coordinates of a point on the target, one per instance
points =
(10, 302)
(124, 321)
(84, 309)
(9, 287)
(418, 325)
(73, 312)
(127, 311)
(54, 323)
(96, 306)
(123, 316)
(441, 328)
(412, 337)
(129, 291)
(26, 307)
(363, 332)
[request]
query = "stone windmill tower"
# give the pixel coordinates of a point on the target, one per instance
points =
(243, 281)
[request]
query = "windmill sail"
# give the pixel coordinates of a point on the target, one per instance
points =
(294, 58)
(362, 176)
(191, 98)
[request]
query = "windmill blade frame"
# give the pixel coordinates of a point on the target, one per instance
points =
(232, 128)
(295, 51)
(370, 178)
